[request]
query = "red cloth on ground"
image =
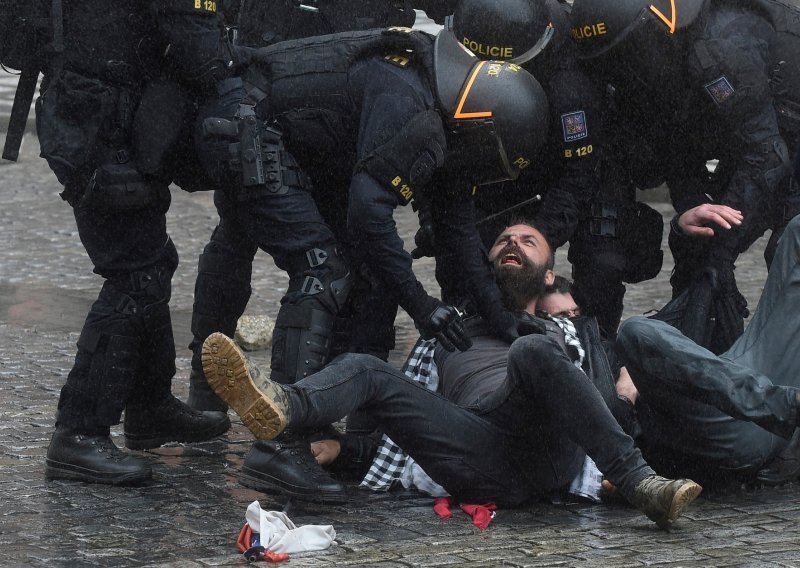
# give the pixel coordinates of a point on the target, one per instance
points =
(481, 515)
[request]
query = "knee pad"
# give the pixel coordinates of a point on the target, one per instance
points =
(301, 342)
(319, 276)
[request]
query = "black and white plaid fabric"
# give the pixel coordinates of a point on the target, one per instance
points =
(389, 462)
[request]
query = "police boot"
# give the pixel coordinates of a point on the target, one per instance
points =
(170, 420)
(220, 298)
(785, 466)
(285, 466)
(93, 458)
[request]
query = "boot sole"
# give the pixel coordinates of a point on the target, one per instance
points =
(226, 373)
(135, 442)
(687, 493)
(276, 487)
(59, 470)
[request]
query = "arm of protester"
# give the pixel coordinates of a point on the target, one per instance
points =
(698, 221)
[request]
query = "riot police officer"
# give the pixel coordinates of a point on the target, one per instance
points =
(107, 132)
(261, 23)
(694, 80)
(342, 130)
(571, 196)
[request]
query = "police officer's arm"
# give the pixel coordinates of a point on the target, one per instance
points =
(731, 73)
(460, 250)
(576, 137)
(194, 45)
(401, 143)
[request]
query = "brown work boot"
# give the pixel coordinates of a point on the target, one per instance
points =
(261, 404)
(663, 500)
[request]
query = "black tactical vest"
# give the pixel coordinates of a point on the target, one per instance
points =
(312, 72)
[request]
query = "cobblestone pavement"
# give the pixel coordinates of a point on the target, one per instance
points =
(190, 514)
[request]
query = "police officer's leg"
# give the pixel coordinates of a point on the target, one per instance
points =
(111, 349)
(598, 261)
(152, 415)
(221, 294)
(365, 325)
(283, 220)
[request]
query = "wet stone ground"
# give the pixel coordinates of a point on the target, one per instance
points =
(189, 515)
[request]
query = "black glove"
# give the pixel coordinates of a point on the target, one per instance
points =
(509, 326)
(423, 240)
(444, 323)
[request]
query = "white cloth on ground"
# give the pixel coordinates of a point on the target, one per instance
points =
(278, 533)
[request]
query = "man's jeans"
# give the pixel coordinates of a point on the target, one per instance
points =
(732, 412)
(517, 443)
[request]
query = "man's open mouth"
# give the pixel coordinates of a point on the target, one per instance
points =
(511, 259)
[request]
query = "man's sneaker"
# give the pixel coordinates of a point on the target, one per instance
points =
(663, 500)
(201, 396)
(785, 466)
(286, 466)
(171, 421)
(261, 404)
(94, 459)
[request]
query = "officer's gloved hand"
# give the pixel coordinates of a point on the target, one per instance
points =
(444, 323)
(424, 242)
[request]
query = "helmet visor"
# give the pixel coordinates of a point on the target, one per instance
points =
(537, 48)
(476, 154)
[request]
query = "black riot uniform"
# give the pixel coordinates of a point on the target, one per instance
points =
(567, 195)
(109, 116)
(721, 89)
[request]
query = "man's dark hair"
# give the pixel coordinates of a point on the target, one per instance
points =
(560, 285)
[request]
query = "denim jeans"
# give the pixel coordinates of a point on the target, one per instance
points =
(519, 442)
(731, 412)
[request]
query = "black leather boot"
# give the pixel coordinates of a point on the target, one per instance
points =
(785, 466)
(285, 466)
(170, 421)
(92, 458)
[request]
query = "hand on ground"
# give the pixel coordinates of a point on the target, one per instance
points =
(325, 451)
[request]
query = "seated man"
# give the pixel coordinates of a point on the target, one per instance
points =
(521, 440)
(729, 414)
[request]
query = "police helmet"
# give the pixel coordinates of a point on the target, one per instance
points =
(495, 113)
(511, 30)
(639, 37)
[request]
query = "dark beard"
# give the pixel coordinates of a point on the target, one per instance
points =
(519, 285)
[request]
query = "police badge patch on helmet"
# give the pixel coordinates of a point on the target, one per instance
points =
(640, 37)
(495, 113)
(512, 30)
